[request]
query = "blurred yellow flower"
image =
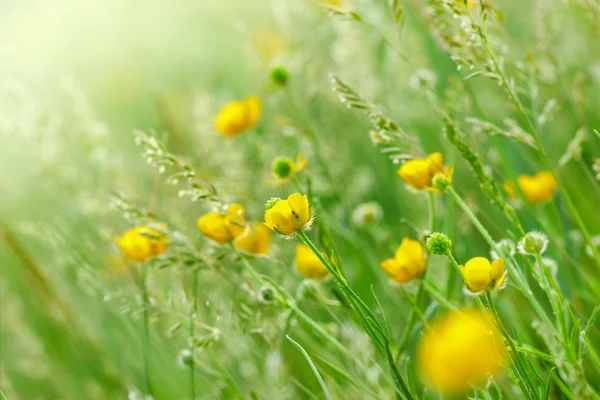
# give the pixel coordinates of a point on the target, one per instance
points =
(237, 116)
(472, 3)
(538, 188)
(289, 216)
(480, 274)
(255, 240)
(408, 262)
(223, 228)
(141, 243)
(283, 169)
(460, 348)
(419, 172)
(308, 264)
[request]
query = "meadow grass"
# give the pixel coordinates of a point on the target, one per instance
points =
(361, 88)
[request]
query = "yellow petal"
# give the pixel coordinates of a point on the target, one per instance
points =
(298, 204)
(497, 268)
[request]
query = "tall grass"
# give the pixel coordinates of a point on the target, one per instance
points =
(501, 88)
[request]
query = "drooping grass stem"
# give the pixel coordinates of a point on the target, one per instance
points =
(145, 329)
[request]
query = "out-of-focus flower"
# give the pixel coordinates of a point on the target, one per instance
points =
(506, 248)
(255, 240)
(280, 76)
(288, 216)
(238, 116)
(408, 262)
(367, 213)
(284, 167)
(538, 188)
(308, 264)
(141, 243)
(461, 348)
(480, 274)
(419, 172)
(223, 228)
(472, 3)
(270, 45)
(533, 243)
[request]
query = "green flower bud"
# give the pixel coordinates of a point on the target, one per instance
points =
(185, 358)
(280, 76)
(533, 243)
(266, 295)
(283, 167)
(438, 243)
(441, 182)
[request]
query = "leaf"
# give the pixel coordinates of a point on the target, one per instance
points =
(312, 366)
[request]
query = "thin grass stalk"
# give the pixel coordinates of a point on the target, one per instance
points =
(146, 329)
(363, 311)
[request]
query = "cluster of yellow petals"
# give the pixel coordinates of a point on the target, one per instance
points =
(408, 263)
(141, 243)
(481, 274)
(223, 228)
(308, 264)
(238, 116)
(419, 172)
(460, 349)
(255, 240)
(289, 216)
(537, 188)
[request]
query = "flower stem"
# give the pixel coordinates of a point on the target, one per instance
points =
(146, 329)
(513, 96)
(518, 364)
(515, 273)
(366, 317)
(193, 310)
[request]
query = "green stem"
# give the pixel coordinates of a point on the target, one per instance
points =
(517, 362)
(146, 330)
(193, 310)
(365, 314)
(532, 131)
(431, 212)
(2, 394)
(515, 273)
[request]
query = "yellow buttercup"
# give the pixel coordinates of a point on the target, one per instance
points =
(481, 274)
(288, 216)
(223, 228)
(308, 264)
(238, 116)
(141, 243)
(537, 188)
(256, 239)
(408, 262)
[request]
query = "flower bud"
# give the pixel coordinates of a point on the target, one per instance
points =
(282, 167)
(185, 358)
(533, 243)
(438, 243)
(441, 182)
(280, 76)
(266, 295)
(506, 248)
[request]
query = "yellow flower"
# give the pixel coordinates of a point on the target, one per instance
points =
(141, 243)
(237, 116)
(538, 188)
(480, 274)
(472, 3)
(255, 240)
(223, 228)
(418, 172)
(308, 264)
(461, 348)
(283, 169)
(289, 216)
(408, 262)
